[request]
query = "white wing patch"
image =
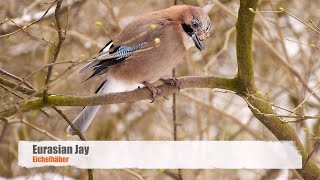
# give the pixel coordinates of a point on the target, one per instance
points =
(107, 48)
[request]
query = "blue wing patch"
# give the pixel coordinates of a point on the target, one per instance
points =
(111, 57)
(121, 52)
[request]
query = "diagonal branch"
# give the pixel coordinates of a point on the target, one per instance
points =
(90, 171)
(16, 78)
(17, 87)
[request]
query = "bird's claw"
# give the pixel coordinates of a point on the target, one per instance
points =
(154, 90)
(173, 82)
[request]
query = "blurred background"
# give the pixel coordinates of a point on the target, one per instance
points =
(202, 114)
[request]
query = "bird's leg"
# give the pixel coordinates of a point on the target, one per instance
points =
(172, 81)
(154, 90)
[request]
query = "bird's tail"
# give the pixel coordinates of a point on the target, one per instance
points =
(84, 119)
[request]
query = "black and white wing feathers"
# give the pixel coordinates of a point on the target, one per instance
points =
(108, 56)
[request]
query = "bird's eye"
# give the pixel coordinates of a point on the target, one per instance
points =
(195, 25)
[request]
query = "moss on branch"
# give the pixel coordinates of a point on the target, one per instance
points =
(244, 44)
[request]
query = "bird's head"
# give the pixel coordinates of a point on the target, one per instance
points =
(196, 23)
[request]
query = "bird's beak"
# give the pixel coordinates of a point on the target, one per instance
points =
(199, 43)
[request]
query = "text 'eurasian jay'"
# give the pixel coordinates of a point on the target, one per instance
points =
(146, 50)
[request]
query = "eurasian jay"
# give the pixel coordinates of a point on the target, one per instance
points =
(140, 55)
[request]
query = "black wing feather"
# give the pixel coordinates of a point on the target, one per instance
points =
(100, 86)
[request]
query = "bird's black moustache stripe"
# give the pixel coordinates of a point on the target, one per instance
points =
(187, 28)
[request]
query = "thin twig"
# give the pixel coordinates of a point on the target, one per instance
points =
(34, 22)
(11, 91)
(57, 49)
(316, 147)
(16, 87)
(31, 35)
(174, 112)
(69, 122)
(298, 19)
(77, 131)
(16, 78)
(222, 50)
(21, 97)
(300, 118)
(301, 43)
(34, 127)
(314, 24)
(223, 113)
(271, 48)
(316, 88)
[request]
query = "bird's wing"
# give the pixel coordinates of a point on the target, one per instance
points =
(91, 65)
(136, 36)
(108, 56)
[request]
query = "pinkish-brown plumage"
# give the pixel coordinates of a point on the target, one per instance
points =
(178, 28)
(155, 63)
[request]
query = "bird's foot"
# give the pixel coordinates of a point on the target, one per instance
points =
(154, 90)
(172, 81)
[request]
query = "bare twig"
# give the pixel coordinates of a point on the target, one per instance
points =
(30, 34)
(33, 18)
(316, 88)
(21, 97)
(34, 22)
(16, 78)
(34, 127)
(316, 147)
(57, 49)
(219, 111)
(15, 86)
(221, 51)
(174, 119)
(11, 91)
(174, 110)
(77, 131)
(271, 48)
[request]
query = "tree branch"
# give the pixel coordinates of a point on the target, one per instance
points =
(131, 96)
(258, 104)
(90, 171)
(244, 44)
(16, 78)
(61, 38)
(283, 132)
(19, 88)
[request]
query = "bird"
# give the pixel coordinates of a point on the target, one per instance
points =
(145, 51)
